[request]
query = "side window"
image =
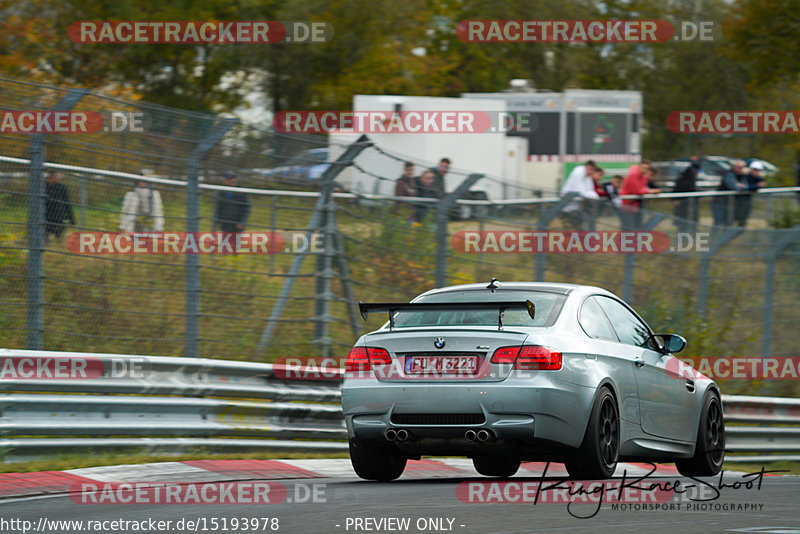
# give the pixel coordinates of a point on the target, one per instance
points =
(629, 328)
(594, 322)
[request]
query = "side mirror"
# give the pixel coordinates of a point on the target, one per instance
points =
(672, 343)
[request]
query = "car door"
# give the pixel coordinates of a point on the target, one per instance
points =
(616, 360)
(664, 398)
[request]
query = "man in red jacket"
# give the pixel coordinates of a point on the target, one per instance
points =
(636, 183)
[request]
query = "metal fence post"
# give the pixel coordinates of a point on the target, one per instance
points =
(630, 260)
(479, 261)
(316, 223)
(82, 197)
(36, 237)
(545, 218)
(730, 221)
(192, 335)
(344, 272)
(36, 228)
(273, 223)
(324, 273)
(768, 214)
(769, 287)
(705, 265)
(443, 209)
(627, 278)
(333, 246)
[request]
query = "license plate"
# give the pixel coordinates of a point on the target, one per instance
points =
(441, 365)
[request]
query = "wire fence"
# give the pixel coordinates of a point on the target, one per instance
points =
(344, 238)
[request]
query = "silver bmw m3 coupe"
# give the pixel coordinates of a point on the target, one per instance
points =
(504, 373)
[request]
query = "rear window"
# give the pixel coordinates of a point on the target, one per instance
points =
(548, 306)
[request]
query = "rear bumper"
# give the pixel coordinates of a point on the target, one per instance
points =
(514, 411)
(502, 426)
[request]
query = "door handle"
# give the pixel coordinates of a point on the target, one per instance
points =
(639, 362)
(690, 385)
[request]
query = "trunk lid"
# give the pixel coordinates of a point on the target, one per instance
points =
(443, 354)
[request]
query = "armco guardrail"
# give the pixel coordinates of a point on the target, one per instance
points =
(165, 403)
(747, 421)
(162, 375)
(129, 401)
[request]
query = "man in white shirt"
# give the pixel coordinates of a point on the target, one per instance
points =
(582, 180)
(142, 210)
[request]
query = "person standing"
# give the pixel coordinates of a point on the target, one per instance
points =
(406, 185)
(752, 181)
(57, 206)
(233, 207)
(686, 208)
(426, 188)
(730, 181)
(581, 181)
(439, 173)
(142, 210)
(636, 183)
(611, 190)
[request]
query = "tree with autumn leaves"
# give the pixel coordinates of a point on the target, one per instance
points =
(387, 47)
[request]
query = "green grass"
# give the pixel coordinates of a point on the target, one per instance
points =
(135, 304)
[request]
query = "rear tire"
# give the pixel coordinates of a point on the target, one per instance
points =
(709, 452)
(381, 464)
(597, 457)
(496, 466)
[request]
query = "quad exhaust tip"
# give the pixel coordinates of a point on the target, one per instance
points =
(397, 435)
(484, 435)
(481, 435)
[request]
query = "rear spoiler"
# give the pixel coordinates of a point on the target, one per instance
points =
(392, 307)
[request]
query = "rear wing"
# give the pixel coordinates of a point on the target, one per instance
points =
(392, 307)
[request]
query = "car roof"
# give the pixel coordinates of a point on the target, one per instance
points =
(550, 287)
(708, 158)
(765, 162)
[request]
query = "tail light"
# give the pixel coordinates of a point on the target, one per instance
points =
(535, 357)
(505, 355)
(363, 358)
(529, 357)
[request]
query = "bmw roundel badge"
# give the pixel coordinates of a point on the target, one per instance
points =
(438, 343)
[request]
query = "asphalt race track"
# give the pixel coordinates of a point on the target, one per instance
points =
(435, 504)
